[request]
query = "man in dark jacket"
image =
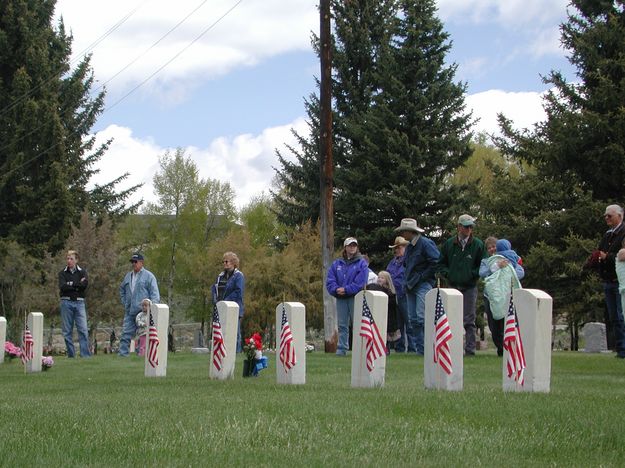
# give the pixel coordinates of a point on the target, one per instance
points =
(420, 262)
(73, 282)
(609, 246)
(459, 264)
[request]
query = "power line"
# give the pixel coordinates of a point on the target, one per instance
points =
(95, 90)
(132, 62)
(197, 38)
(159, 69)
(79, 56)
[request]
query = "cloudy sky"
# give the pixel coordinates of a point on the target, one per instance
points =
(226, 79)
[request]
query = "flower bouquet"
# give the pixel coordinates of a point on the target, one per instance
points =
(254, 359)
(46, 362)
(11, 350)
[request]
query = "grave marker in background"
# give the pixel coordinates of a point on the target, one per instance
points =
(594, 337)
(293, 355)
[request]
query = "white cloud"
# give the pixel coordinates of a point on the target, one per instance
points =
(252, 31)
(523, 108)
(245, 161)
(515, 13)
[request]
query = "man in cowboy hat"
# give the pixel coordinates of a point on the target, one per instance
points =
(459, 264)
(420, 263)
(396, 269)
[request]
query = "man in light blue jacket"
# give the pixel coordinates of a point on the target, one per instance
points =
(137, 285)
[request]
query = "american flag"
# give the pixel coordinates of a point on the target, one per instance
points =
(27, 346)
(153, 342)
(287, 350)
(514, 345)
(219, 348)
(442, 335)
(369, 331)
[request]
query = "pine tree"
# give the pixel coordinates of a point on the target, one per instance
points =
(400, 126)
(582, 141)
(46, 112)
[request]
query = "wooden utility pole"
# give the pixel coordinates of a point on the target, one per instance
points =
(326, 173)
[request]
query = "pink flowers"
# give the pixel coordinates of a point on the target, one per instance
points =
(15, 351)
(12, 350)
(46, 362)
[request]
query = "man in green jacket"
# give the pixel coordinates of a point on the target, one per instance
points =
(459, 264)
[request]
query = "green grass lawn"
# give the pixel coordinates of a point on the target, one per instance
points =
(103, 412)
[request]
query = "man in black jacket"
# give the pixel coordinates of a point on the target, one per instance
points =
(610, 244)
(73, 282)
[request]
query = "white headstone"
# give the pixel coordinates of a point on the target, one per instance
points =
(435, 376)
(533, 309)
(361, 375)
(594, 337)
(3, 337)
(229, 320)
(296, 319)
(156, 362)
(35, 325)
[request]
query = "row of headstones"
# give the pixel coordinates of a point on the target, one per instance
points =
(155, 357)
(533, 307)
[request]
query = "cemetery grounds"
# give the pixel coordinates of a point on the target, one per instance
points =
(104, 412)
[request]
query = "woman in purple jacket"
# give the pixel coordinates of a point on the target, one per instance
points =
(346, 277)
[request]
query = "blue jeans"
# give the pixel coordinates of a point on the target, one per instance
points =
(407, 333)
(416, 312)
(469, 303)
(129, 330)
(615, 313)
(345, 316)
(75, 312)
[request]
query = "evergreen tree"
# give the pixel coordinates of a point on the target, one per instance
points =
(582, 141)
(46, 112)
(400, 127)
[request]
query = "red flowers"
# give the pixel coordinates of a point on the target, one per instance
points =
(256, 340)
(253, 347)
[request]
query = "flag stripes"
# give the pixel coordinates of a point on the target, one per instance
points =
(442, 336)
(219, 347)
(27, 346)
(513, 343)
(287, 348)
(375, 345)
(153, 342)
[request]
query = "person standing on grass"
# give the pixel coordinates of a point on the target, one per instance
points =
(138, 284)
(396, 268)
(604, 261)
(459, 264)
(346, 277)
(420, 262)
(230, 286)
(73, 282)
(500, 257)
